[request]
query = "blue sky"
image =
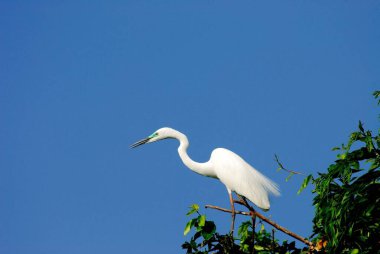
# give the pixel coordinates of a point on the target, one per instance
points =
(80, 82)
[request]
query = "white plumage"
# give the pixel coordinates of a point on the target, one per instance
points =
(234, 172)
(242, 178)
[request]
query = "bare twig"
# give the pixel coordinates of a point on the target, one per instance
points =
(277, 159)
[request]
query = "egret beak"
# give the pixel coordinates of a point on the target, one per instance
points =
(140, 142)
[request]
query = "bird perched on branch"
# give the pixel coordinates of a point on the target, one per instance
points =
(234, 172)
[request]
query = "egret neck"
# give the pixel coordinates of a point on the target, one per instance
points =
(200, 168)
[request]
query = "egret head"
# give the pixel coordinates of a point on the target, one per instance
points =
(159, 134)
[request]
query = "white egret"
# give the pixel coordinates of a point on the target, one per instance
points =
(235, 173)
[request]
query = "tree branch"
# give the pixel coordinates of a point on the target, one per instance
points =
(262, 217)
(227, 210)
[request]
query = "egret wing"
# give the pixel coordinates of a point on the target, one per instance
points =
(242, 178)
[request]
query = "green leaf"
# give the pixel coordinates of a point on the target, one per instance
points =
(376, 94)
(305, 183)
(361, 127)
(289, 176)
(193, 208)
(259, 248)
(354, 251)
(187, 228)
(208, 230)
(189, 225)
(369, 143)
(201, 220)
(243, 229)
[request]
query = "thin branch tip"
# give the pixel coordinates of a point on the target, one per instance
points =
(281, 166)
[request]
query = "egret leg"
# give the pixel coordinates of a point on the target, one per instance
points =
(232, 212)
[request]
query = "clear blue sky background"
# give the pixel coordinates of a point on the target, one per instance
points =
(80, 82)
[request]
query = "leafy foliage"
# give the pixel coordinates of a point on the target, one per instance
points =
(347, 197)
(347, 211)
(206, 240)
(265, 242)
